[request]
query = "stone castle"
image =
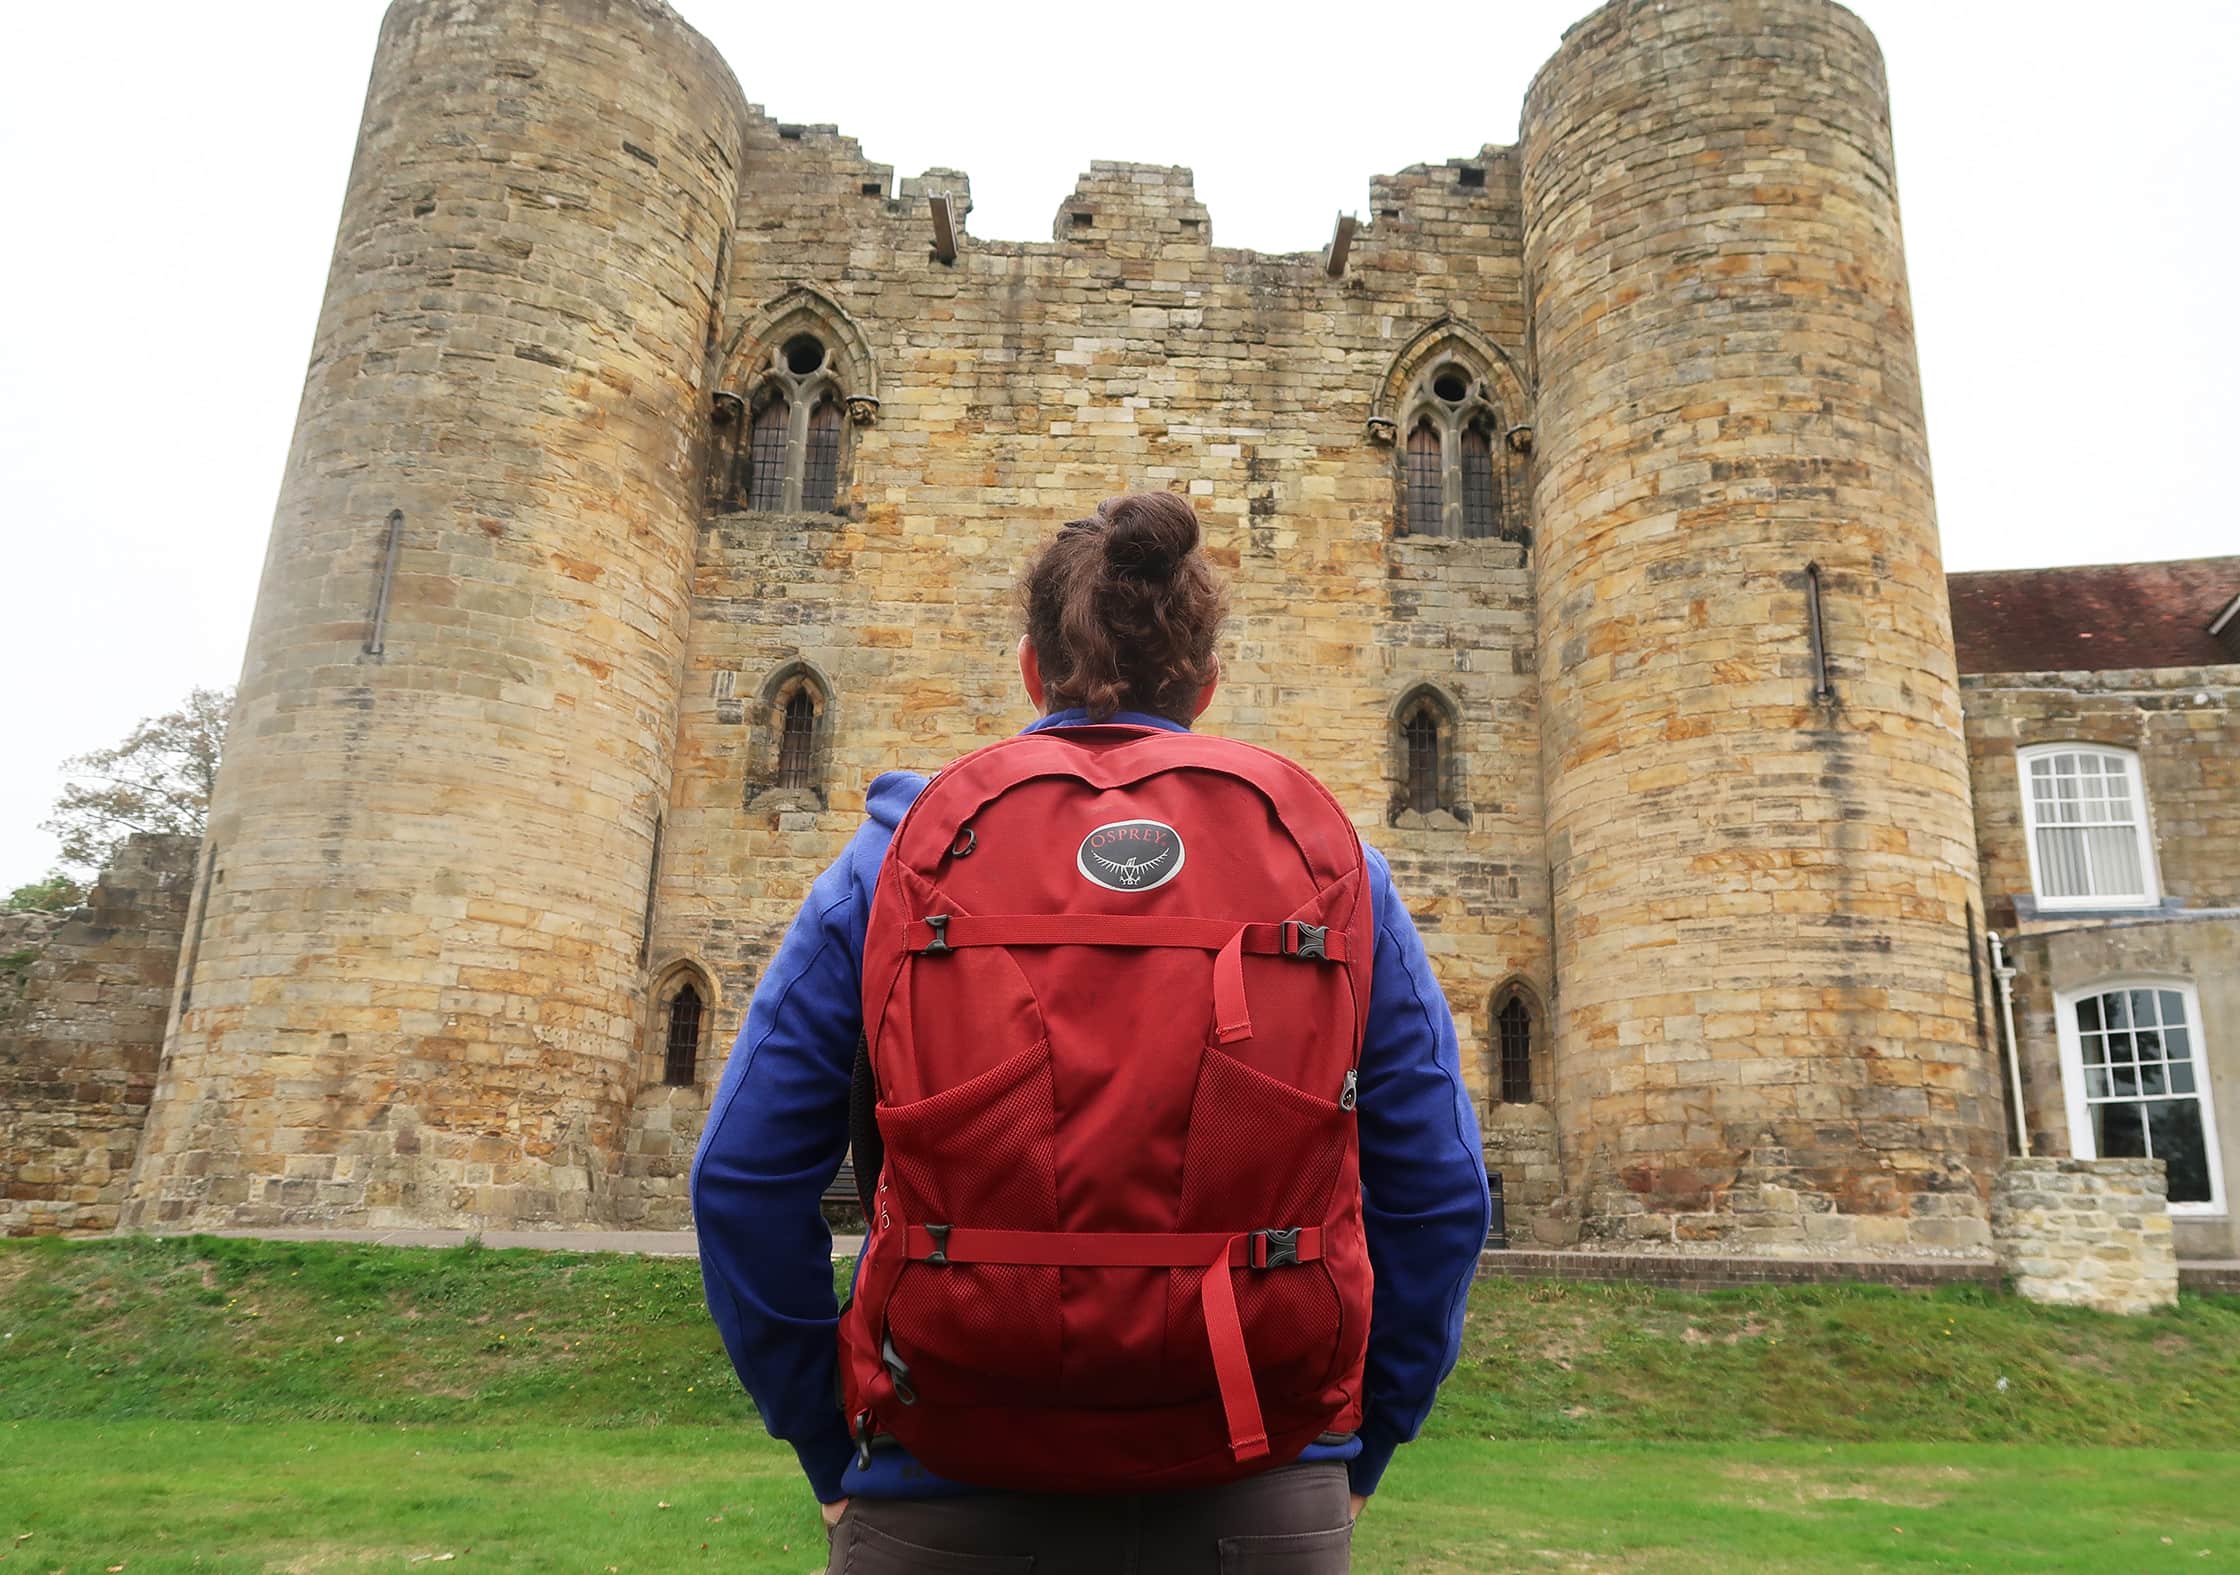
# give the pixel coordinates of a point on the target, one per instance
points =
(662, 474)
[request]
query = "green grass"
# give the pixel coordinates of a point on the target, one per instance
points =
(318, 1496)
(216, 1404)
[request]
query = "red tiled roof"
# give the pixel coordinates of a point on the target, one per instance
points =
(2094, 618)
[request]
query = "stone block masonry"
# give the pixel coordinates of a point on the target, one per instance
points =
(2087, 1233)
(419, 984)
(692, 424)
(80, 1035)
(1758, 837)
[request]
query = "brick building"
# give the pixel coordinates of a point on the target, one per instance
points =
(661, 477)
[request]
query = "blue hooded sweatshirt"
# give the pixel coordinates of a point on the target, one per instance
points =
(778, 1130)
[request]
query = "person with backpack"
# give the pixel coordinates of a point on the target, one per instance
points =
(1174, 1190)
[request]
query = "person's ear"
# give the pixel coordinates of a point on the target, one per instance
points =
(1205, 695)
(1030, 671)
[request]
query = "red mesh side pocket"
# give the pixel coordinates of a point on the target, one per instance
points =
(979, 1154)
(1261, 1155)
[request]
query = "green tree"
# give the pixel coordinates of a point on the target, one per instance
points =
(56, 894)
(158, 779)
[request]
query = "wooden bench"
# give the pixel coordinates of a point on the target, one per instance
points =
(843, 1187)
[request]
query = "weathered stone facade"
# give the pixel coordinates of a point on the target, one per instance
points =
(695, 430)
(1763, 872)
(2182, 726)
(84, 997)
(2086, 1233)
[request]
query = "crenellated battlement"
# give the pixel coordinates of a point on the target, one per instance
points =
(711, 477)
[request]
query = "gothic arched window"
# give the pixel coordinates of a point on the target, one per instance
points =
(1452, 478)
(1423, 506)
(1513, 1028)
(1422, 733)
(789, 459)
(1426, 771)
(1481, 498)
(797, 746)
(766, 455)
(683, 1040)
(820, 472)
(789, 750)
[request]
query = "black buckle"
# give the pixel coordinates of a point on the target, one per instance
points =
(898, 1370)
(1272, 1249)
(1306, 940)
(939, 924)
(863, 1440)
(940, 1235)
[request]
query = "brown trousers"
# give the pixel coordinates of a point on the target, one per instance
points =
(1294, 1520)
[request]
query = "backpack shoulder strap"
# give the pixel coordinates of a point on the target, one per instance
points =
(865, 1143)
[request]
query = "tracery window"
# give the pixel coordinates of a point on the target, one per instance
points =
(820, 473)
(766, 457)
(1425, 505)
(683, 1042)
(2136, 1084)
(1452, 479)
(2085, 809)
(790, 457)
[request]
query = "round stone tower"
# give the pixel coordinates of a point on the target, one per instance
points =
(412, 989)
(1767, 1031)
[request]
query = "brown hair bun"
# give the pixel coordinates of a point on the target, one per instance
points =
(1123, 610)
(1148, 533)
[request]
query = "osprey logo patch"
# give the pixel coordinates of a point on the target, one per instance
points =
(1131, 855)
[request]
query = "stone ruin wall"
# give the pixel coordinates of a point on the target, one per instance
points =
(84, 997)
(1018, 387)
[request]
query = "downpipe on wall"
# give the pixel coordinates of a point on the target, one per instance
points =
(2004, 972)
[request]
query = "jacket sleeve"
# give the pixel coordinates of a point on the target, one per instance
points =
(1423, 1186)
(776, 1134)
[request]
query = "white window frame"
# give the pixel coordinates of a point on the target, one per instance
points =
(2081, 1140)
(2143, 828)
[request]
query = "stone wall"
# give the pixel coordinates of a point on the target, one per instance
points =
(2184, 725)
(79, 1043)
(1764, 884)
(422, 979)
(456, 873)
(1017, 388)
(2086, 1233)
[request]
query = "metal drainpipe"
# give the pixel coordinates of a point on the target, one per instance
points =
(2004, 973)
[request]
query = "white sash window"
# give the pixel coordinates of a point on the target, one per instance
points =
(2085, 812)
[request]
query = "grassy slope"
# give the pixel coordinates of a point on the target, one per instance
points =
(517, 1392)
(219, 1329)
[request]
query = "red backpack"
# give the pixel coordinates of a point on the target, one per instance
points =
(1114, 986)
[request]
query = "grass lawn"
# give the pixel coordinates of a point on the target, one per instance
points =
(220, 1405)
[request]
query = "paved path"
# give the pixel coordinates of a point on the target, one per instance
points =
(653, 1243)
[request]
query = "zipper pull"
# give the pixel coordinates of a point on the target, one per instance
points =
(1350, 1095)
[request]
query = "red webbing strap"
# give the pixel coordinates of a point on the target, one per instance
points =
(1108, 1249)
(1232, 1016)
(1232, 1365)
(1216, 1251)
(1111, 929)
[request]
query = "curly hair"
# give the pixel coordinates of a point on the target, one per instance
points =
(1123, 610)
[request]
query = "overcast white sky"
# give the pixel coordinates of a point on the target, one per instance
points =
(174, 172)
